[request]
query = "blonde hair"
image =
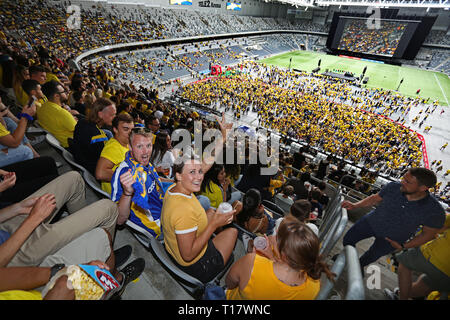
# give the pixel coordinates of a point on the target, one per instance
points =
(98, 106)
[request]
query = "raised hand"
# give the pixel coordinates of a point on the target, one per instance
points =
(223, 123)
(127, 181)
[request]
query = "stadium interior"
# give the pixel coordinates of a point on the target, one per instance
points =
(279, 70)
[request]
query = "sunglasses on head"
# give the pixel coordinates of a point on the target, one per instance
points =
(141, 129)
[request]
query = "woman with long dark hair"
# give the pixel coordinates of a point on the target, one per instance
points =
(253, 217)
(162, 157)
(216, 187)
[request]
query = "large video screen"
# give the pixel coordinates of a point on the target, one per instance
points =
(381, 37)
(373, 37)
(233, 6)
(181, 2)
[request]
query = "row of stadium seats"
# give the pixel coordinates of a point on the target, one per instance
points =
(161, 64)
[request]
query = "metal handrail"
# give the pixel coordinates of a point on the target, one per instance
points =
(371, 185)
(355, 286)
(329, 217)
(348, 257)
(339, 183)
(332, 237)
(328, 285)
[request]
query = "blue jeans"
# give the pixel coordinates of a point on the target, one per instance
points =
(14, 155)
(362, 230)
(21, 153)
(236, 195)
(12, 126)
(204, 201)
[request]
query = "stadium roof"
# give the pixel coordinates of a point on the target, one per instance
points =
(444, 4)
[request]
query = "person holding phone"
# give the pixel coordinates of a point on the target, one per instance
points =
(14, 146)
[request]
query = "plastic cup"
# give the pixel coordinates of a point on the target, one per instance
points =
(260, 243)
(224, 207)
(166, 168)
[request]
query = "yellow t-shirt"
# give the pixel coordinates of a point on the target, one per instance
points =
(56, 120)
(20, 295)
(3, 131)
(274, 184)
(214, 193)
(50, 77)
(181, 214)
(114, 152)
(264, 285)
(437, 251)
(133, 102)
(21, 96)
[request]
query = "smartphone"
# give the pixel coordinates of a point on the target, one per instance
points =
(32, 100)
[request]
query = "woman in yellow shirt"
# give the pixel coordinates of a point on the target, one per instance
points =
(187, 228)
(288, 269)
(216, 187)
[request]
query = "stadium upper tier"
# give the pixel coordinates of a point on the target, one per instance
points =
(44, 22)
(161, 64)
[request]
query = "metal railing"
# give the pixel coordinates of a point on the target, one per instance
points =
(355, 285)
(338, 222)
(329, 216)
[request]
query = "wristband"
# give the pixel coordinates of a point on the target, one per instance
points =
(56, 268)
(128, 195)
(25, 115)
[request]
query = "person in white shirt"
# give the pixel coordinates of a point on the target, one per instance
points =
(301, 209)
(284, 199)
(162, 156)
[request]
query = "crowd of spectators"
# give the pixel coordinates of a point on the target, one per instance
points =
(438, 37)
(112, 132)
(106, 24)
(318, 105)
(358, 37)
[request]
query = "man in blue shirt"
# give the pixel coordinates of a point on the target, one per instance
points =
(402, 207)
(136, 186)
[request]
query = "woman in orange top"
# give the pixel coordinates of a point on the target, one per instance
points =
(289, 270)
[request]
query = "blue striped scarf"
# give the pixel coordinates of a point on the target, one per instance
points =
(137, 171)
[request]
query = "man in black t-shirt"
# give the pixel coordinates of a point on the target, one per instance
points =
(401, 208)
(299, 159)
(89, 138)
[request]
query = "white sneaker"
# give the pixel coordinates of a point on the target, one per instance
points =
(391, 295)
(35, 130)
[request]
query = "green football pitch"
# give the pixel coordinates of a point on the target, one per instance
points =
(434, 85)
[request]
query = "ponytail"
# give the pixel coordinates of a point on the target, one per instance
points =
(300, 246)
(316, 269)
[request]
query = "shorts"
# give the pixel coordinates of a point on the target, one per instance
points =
(434, 278)
(209, 265)
(92, 245)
